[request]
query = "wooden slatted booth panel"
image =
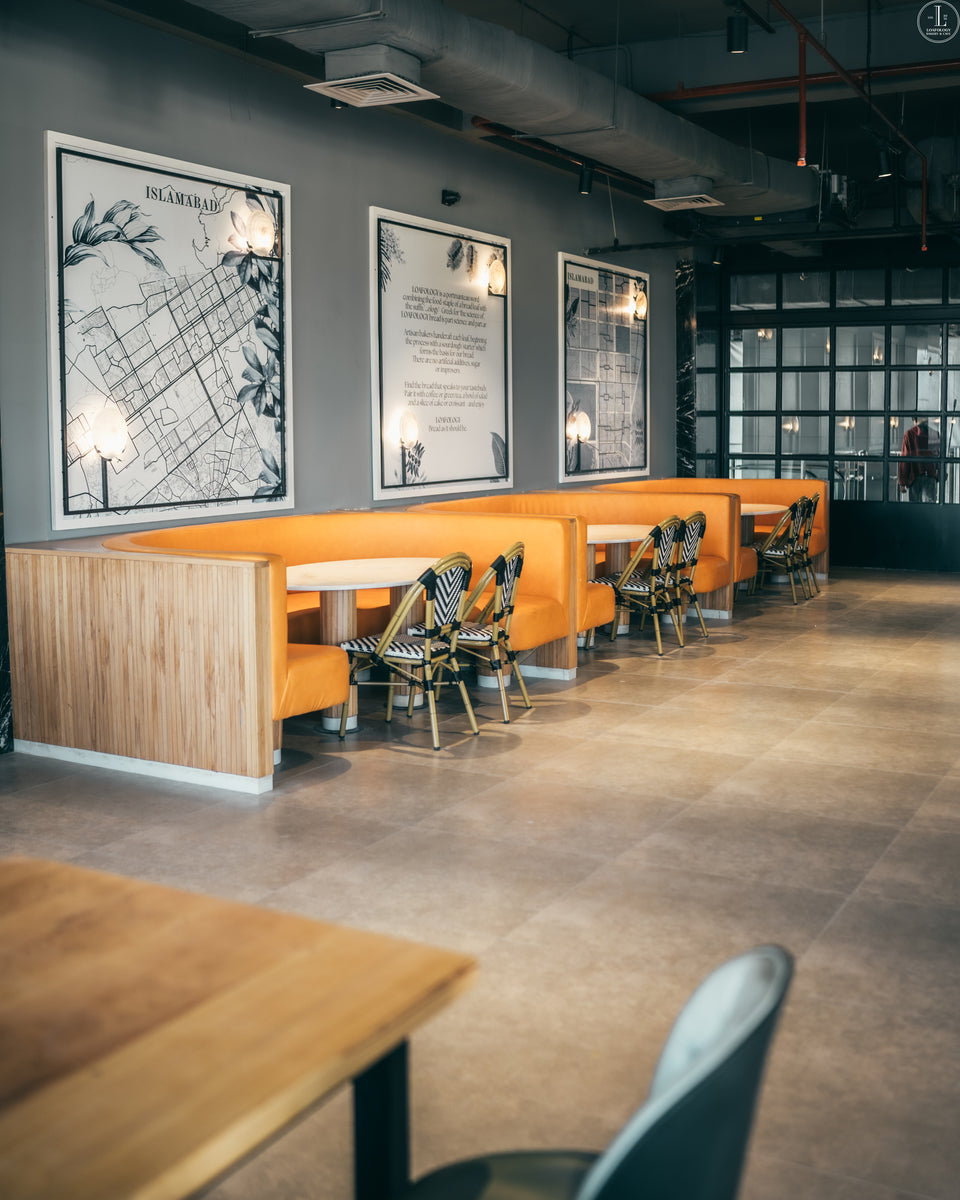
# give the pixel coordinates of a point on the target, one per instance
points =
(144, 656)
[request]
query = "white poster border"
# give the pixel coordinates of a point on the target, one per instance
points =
(402, 491)
(641, 277)
(54, 142)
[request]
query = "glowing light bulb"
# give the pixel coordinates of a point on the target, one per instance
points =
(261, 232)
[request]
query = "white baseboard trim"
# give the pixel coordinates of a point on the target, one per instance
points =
(141, 766)
(532, 671)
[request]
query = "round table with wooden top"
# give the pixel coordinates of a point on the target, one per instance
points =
(617, 539)
(337, 583)
(751, 510)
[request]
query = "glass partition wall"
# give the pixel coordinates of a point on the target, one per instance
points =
(849, 376)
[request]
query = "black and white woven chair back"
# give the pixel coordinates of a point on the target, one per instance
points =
(665, 545)
(445, 584)
(508, 567)
(692, 531)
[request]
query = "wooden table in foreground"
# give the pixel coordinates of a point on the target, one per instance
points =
(338, 582)
(150, 1038)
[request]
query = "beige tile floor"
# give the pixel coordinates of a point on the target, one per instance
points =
(795, 779)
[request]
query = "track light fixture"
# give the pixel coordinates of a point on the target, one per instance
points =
(884, 171)
(718, 255)
(737, 32)
(586, 178)
(738, 24)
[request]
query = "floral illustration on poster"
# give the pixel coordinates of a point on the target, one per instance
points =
(440, 348)
(603, 370)
(168, 337)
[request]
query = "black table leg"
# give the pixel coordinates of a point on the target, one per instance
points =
(381, 1128)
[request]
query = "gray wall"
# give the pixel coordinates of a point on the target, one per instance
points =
(78, 70)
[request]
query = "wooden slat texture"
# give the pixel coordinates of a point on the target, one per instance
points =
(144, 656)
(151, 1037)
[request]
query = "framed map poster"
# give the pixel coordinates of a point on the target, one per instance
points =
(440, 357)
(604, 370)
(169, 337)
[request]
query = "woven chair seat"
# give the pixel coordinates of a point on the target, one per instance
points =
(478, 634)
(397, 648)
(638, 584)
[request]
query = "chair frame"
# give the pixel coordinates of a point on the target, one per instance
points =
(496, 616)
(438, 648)
(806, 562)
(657, 573)
(684, 569)
(780, 549)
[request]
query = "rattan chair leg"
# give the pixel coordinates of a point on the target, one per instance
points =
(497, 664)
(512, 659)
(676, 616)
(656, 630)
(696, 605)
(431, 705)
(465, 695)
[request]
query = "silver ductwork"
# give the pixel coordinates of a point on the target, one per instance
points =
(484, 69)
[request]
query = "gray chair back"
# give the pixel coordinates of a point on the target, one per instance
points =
(689, 1139)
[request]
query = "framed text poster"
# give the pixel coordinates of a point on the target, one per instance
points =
(169, 337)
(604, 370)
(440, 349)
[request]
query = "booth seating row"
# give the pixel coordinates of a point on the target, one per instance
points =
(722, 563)
(753, 491)
(181, 645)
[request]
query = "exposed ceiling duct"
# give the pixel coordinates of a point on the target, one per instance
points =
(486, 70)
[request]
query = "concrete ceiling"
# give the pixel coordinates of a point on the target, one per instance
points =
(674, 55)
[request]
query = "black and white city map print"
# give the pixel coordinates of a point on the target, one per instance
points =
(604, 368)
(170, 334)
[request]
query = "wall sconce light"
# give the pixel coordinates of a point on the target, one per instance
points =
(877, 354)
(409, 433)
(637, 303)
(497, 278)
(894, 422)
(737, 26)
(765, 335)
(586, 178)
(261, 232)
(791, 425)
(578, 430)
(108, 432)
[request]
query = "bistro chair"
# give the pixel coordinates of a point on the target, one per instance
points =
(780, 550)
(688, 1139)
(487, 636)
(644, 584)
(444, 588)
(806, 562)
(689, 540)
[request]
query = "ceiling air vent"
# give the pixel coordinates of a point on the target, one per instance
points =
(672, 195)
(367, 75)
(365, 90)
(675, 203)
